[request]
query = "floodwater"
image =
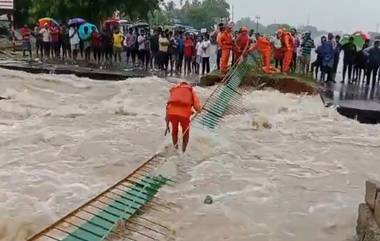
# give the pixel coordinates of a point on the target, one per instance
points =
(287, 169)
(65, 139)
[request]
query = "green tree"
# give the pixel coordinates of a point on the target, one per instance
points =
(202, 14)
(250, 24)
(159, 18)
(29, 11)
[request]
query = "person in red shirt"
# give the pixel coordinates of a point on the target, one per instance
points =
(55, 46)
(26, 45)
(188, 53)
(97, 45)
(182, 100)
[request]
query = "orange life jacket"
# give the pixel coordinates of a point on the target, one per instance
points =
(226, 40)
(264, 45)
(287, 41)
(182, 95)
(242, 41)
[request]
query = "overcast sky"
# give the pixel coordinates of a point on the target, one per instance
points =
(330, 15)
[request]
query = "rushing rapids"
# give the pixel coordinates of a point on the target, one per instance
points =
(285, 168)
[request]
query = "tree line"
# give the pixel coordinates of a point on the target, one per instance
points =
(272, 28)
(29, 11)
(195, 13)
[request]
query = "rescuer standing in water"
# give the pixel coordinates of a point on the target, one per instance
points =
(182, 102)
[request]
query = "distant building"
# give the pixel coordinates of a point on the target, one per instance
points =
(6, 6)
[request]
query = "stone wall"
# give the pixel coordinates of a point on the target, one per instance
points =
(368, 227)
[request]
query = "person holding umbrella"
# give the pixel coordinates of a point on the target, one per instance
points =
(65, 35)
(45, 32)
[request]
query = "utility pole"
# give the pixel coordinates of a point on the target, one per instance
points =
(232, 10)
(377, 27)
(257, 23)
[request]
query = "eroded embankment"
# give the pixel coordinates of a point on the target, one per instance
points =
(283, 83)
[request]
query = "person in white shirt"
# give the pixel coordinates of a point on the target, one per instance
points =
(74, 41)
(206, 52)
(141, 44)
(45, 32)
(198, 57)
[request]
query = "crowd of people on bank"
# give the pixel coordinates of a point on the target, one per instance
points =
(180, 52)
(292, 52)
(165, 50)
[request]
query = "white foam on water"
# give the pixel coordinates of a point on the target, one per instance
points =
(64, 139)
(286, 169)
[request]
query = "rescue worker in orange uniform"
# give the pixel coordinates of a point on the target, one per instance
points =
(226, 43)
(242, 43)
(218, 36)
(264, 46)
(182, 102)
(287, 43)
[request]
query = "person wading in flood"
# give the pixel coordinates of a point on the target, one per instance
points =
(179, 109)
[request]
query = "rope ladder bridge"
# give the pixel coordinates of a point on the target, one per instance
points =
(226, 96)
(117, 213)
